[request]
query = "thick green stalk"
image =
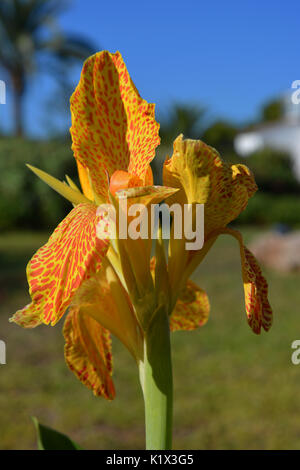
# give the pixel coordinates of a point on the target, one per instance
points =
(157, 383)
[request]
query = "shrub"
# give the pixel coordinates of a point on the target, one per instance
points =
(267, 209)
(273, 171)
(25, 201)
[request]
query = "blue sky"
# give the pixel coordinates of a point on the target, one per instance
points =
(229, 56)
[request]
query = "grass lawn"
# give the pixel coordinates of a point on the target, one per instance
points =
(233, 389)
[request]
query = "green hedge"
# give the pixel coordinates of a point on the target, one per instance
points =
(25, 201)
(273, 171)
(266, 209)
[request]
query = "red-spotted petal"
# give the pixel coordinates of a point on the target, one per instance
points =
(191, 310)
(258, 309)
(27, 317)
(198, 170)
(88, 352)
(113, 128)
(72, 254)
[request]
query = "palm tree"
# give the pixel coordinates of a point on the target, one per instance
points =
(30, 40)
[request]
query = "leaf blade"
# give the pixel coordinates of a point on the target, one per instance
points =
(49, 439)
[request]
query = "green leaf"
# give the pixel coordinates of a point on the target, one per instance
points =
(49, 439)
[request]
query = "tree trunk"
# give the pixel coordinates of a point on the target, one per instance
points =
(18, 91)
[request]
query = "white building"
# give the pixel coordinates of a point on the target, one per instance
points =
(283, 135)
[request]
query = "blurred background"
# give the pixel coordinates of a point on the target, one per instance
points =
(222, 72)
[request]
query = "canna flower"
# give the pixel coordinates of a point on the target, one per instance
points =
(114, 136)
(114, 286)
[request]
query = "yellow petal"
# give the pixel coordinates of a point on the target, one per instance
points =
(191, 310)
(104, 298)
(63, 189)
(113, 128)
(84, 179)
(72, 255)
(204, 178)
(258, 309)
(28, 317)
(88, 353)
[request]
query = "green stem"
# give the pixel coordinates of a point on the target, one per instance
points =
(157, 383)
